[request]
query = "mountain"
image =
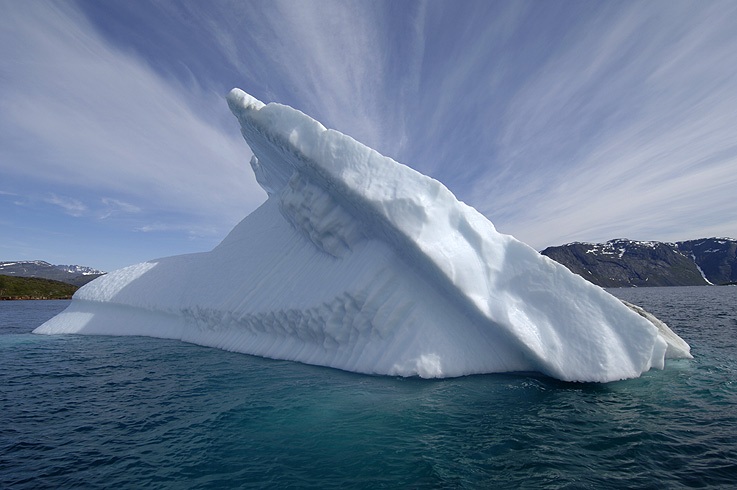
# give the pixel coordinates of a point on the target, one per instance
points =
(716, 257)
(70, 274)
(627, 263)
(360, 263)
(79, 270)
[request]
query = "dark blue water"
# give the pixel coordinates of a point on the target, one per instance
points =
(116, 412)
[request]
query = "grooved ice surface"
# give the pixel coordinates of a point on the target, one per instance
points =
(360, 263)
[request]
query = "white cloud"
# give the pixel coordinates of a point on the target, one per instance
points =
(615, 120)
(71, 206)
(120, 205)
(341, 62)
(79, 112)
(192, 232)
(115, 207)
(627, 131)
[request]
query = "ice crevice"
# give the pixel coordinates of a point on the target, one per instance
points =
(360, 263)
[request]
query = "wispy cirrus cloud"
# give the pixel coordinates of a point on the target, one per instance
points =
(191, 232)
(71, 206)
(344, 63)
(627, 130)
(560, 121)
(120, 205)
(77, 111)
(115, 207)
(98, 209)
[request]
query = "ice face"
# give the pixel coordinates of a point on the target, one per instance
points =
(360, 263)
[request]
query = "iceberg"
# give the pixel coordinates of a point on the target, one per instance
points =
(360, 263)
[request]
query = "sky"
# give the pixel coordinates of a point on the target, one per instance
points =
(560, 121)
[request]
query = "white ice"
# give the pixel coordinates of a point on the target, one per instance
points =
(360, 263)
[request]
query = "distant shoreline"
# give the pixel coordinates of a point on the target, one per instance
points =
(33, 288)
(31, 298)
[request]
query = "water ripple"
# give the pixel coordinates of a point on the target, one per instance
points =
(102, 412)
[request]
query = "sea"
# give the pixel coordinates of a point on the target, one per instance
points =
(133, 412)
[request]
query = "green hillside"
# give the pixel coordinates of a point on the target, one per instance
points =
(34, 288)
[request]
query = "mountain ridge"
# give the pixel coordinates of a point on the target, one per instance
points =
(71, 274)
(629, 263)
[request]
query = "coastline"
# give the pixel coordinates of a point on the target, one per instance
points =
(31, 298)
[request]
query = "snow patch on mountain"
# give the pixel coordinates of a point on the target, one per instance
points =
(79, 269)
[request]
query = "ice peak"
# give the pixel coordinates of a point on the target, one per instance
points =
(239, 100)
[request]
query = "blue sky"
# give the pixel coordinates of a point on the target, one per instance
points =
(560, 121)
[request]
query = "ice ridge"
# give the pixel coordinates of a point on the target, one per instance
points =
(361, 263)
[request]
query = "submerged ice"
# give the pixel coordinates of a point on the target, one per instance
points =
(360, 263)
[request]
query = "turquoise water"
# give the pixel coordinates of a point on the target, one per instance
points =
(117, 412)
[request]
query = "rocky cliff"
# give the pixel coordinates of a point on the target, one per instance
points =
(628, 263)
